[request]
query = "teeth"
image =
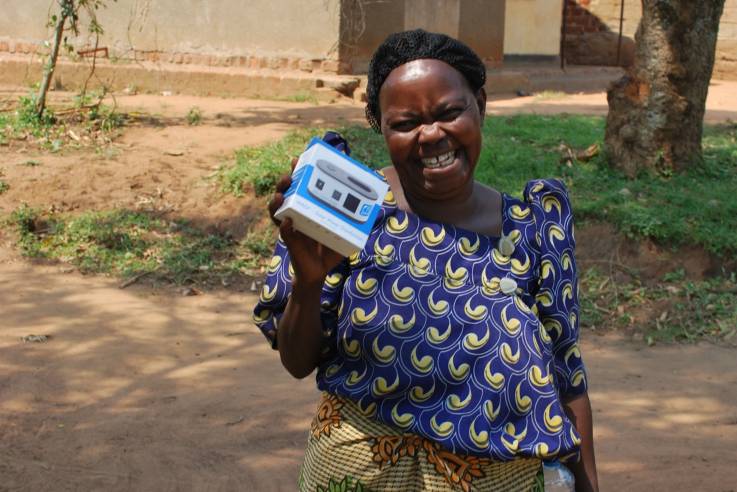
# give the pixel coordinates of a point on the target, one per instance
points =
(440, 160)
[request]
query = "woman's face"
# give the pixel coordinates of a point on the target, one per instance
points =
(431, 121)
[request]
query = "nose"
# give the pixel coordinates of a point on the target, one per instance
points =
(430, 134)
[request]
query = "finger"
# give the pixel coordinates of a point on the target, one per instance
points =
(296, 241)
(284, 182)
(274, 205)
(326, 252)
(294, 163)
(287, 232)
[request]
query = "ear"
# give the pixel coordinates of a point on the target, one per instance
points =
(481, 101)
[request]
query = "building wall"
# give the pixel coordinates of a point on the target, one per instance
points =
(478, 23)
(482, 27)
(532, 27)
(608, 13)
(726, 59)
(173, 29)
(360, 36)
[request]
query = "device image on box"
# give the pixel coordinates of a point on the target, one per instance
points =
(342, 191)
(333, 198)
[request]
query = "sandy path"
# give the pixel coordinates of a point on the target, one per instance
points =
(138, 390)
(721, 103)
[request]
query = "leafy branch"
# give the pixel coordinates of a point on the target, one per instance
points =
(68, 19)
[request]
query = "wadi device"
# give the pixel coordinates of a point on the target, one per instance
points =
(341, 190)
(333, 198)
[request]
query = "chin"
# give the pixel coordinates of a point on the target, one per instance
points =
(458, 187)
(443, 193)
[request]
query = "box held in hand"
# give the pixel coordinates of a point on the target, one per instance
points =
(333, 199)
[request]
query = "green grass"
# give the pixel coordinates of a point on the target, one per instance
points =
(550, 95)
(24, 120)
(299, 97)
(692, 208)
(259, 168)
(672, 310)
(51, 131)
(697, 207)
(126, 243)
(194, 116)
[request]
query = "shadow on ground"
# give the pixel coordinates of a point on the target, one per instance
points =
(141, 391)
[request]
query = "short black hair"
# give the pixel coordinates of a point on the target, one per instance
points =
(402, 47)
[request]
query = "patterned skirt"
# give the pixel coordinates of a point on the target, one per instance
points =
(350, 452)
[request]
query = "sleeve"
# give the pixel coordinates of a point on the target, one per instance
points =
(278, 283)
(277, 288)
(557, 295)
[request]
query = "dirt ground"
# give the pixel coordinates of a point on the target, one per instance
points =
(144, 389)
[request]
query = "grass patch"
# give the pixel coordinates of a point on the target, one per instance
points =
(127, 243)
(4, 186)
(697, 207)
(300, 97)
(691, 208)
(194, 116)
(259, 168)
(674, 310)
(77, 125)
(550, 95)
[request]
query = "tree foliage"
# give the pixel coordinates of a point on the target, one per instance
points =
(65, 21)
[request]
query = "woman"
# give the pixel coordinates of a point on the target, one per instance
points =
(447, 348)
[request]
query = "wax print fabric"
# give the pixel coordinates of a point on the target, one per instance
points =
(453, 335)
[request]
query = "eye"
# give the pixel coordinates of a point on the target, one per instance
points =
(450, 114)
(403, 125)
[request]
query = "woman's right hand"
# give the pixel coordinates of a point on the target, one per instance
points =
(311, 260)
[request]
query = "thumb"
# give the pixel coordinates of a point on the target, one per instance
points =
(287, 231)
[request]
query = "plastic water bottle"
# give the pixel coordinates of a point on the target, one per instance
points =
(558, 478)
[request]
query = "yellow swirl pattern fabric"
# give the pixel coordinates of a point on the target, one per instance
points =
(463, 339)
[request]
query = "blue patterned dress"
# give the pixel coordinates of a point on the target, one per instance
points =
(467, 340)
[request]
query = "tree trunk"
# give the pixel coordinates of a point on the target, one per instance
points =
(66, 8)
(656, 110)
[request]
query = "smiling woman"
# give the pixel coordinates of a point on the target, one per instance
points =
(431, 120)
(447, 349)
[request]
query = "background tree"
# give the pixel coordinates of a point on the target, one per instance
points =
(656, 110)
(67, 19)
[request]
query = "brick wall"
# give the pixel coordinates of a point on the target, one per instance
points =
(591, 40)
(580, 21)
(587, 19)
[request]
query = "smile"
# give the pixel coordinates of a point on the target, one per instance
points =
(441, 160)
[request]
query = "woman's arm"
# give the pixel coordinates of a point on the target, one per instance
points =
(578, 409)
(559, 288)
(299, 333)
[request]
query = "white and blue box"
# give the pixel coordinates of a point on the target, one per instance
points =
(333, 199)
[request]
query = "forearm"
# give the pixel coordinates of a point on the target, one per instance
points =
(578, 409)
(299, 333)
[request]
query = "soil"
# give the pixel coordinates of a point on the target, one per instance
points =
(145, 389)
